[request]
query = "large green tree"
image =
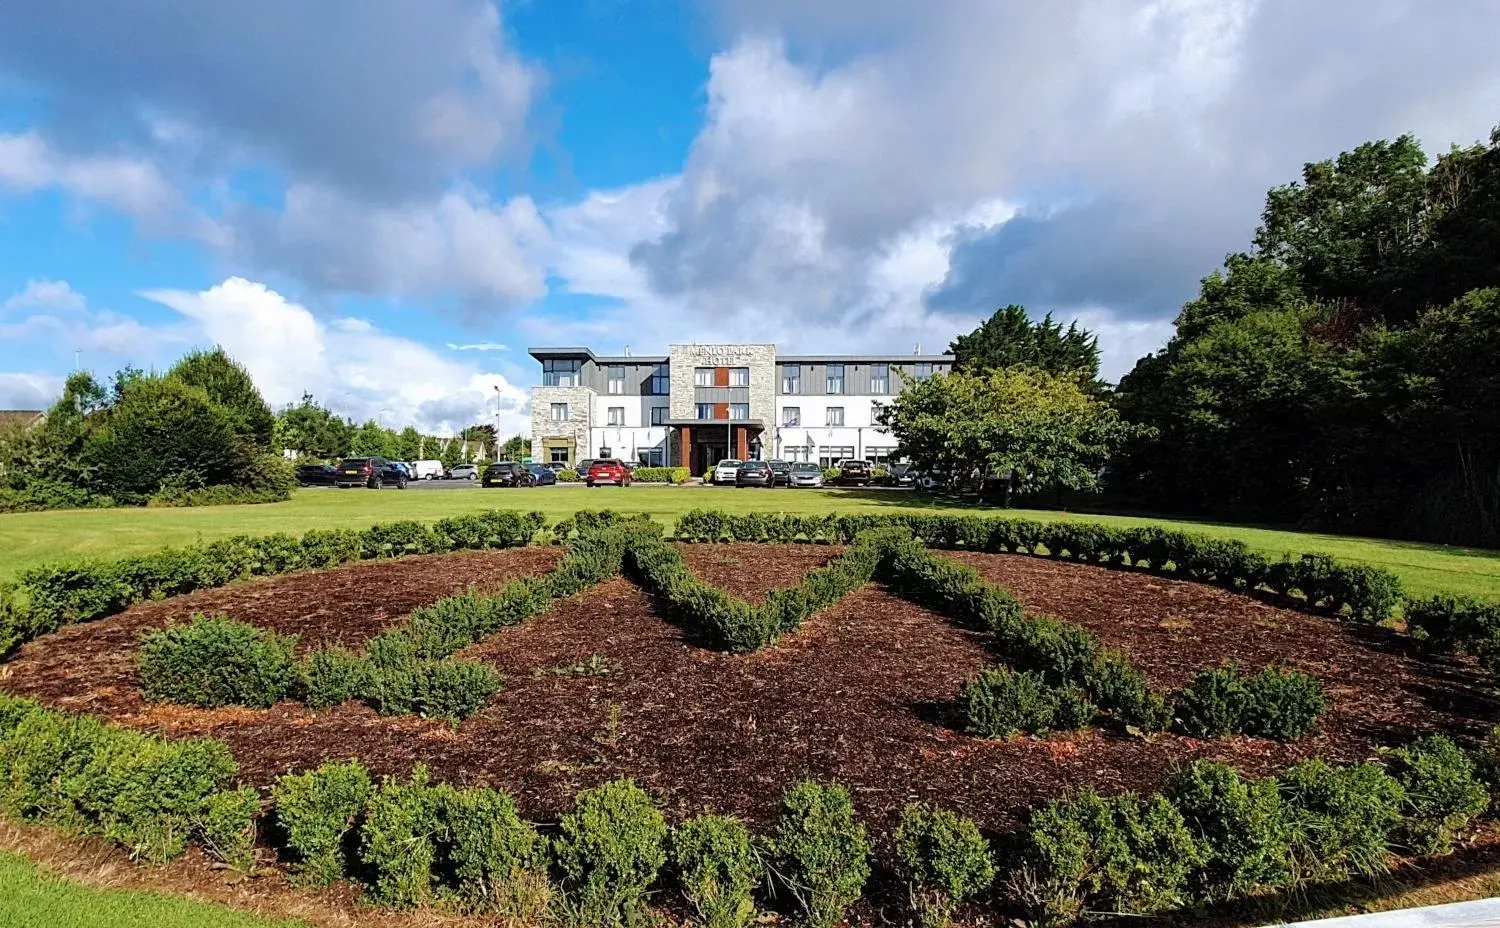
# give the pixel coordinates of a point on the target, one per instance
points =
(230, 387)
(313, 431)
(1009, 338)
(1044, 428)
(163, 432)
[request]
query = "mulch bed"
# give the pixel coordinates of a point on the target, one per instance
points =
(862, 693)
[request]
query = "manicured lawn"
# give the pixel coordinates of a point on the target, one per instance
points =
(33, 898)
(28, 539)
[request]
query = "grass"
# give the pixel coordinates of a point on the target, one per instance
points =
(32, 538)
(33, 898)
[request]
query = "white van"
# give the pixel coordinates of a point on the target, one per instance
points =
(427, 470)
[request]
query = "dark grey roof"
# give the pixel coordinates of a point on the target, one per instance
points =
(542, 353)
(864, 358)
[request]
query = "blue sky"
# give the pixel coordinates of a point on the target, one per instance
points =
(384, 202)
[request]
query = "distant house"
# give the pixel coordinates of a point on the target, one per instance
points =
(21, 418)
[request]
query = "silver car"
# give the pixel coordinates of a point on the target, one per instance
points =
(807, 475)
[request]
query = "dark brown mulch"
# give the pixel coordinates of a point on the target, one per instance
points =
(861, 694)
(741, 570)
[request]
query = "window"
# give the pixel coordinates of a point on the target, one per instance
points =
(796, 453)
(658, 415)
(922, 371)
(661, 380)
(557, 455)
(616, 383)
(835, 378)
(559, 412)
(835, 415)
(831, 455)
(739, 410)
(705, 410)
(879, 455)
(560, 373)
(880, 379)
(739, 376)
(616, 415)
(791, 378)
(703, 376)
(651, 457)
(791, 415)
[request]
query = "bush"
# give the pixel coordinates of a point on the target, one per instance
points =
(319, 811)
(568, 475)
(1002, 703)
(1282, 705)
(717, 865)
(1458, 623)
(611, 847)
(1341, 819)
(217, 662)
(399, 839)
(821, 850)
(943, 860)
(226, 826)
(1213, 705)
(499, 862)
(831, 475)
(330, 547)
(1120, 854)
(1444, 794)
(676, 475)
(397, 539)
(1240, 824)
(455, 690)
(333, 676)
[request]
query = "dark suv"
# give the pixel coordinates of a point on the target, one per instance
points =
(315, 475)
(854, 473)
(368, 472)
(507, 474)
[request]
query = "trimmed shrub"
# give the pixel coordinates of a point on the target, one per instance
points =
(1119, 687)
(319, 812)
(822, 853)
(568, 475)
(676, 475)
(1443, 792)
(498, 861)
(611, 847)
(1120, 854)
(1282, 704)
(399, 837)
(1002, 703)
(1240, 824)
(1341, 819)
(943, 860)
(217, 662)
(1213, 705)
(397, 539)
(330, 547)
(716, 863)
(332, 676)
(455, 690)
(226, 826)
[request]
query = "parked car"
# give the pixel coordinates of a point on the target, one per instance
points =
(607, 470)
(463, 472)
(543, 475)
(781, 471)
(854, 473)
(368, 472)
(582, 470)
(405, 468)
(755, 474)
(315, 475)
(507, 474)
(806, 475)
(903, 475)
(427, 470)
(726, 472)
(555, 466)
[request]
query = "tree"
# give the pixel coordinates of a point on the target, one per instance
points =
(163, 432)
(482, 439)
(1010, 339)
(312, 431)
(229, 385)
(516, 448)
(408, 444)
(1046, 429)
(1248, 284)
(372, 440)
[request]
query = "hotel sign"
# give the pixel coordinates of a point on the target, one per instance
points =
(724, 355)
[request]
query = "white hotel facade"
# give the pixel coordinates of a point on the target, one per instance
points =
(700, 403)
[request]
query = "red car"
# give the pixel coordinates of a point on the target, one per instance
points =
(607, 470)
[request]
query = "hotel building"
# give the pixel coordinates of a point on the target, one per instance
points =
(701, 403)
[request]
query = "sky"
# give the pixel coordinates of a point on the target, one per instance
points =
(384, 203)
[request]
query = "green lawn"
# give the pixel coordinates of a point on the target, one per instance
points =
(33, 898)
(27, 539)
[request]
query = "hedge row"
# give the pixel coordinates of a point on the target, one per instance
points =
(407, 670)
(1062, 663)
(1210, 835)
(662, 475)
(1458, 623)
(729, 622)
(44, 598)
(1364, 593)
(149, 795)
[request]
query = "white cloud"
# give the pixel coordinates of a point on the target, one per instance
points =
(479, 346)
(45, 294)
(347, 363)
(29, 391)
(61, 323)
